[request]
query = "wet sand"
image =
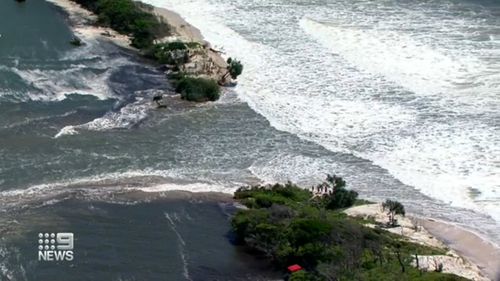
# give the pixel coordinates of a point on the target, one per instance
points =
(469, 245)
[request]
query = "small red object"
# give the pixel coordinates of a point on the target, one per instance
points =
(294, 268)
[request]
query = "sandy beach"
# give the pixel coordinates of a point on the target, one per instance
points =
(467, 255)
(467, 244)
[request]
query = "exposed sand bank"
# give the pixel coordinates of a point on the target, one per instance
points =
(467, 255)
(477, 250)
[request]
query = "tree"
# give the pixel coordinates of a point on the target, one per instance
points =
(393, 208)
(234, 68)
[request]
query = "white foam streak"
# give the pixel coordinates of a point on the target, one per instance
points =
(398, 57)
(66, 131)
(56, 85)
(182, 245)
(128, 116)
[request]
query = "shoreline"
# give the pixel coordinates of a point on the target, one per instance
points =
(83, 24)
(468, 244)
(446, 232)
(468, 254)
(186, 32)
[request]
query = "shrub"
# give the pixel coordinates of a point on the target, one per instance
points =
(198, 89)
(304, 276)
(287, 194)
(341, 198)
(336, 196)
(169, 53)
(193, 45)
(170, 46)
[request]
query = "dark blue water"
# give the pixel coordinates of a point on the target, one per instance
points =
(162, 240)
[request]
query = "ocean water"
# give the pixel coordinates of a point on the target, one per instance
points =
(161, 240)
(401, 98)
(410, 86)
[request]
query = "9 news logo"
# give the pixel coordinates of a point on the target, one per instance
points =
(55, 246)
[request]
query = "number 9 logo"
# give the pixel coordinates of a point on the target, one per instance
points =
(65, 241)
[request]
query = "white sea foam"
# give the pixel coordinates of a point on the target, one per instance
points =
(126, 117)
(146, 180)
(87, 73)
(4, 269)
(66, 131)
(182, 245)
(396, 56)
(191, 187)
(55, 85)
(454, 78)
(350, 92)
(296, 168)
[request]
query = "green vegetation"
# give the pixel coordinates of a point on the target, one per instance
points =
(393, 208)
(198, 89)
(137, 20)
(234, 68)
(176, 52)
(290, 225)
(169, 53)
(130, 18)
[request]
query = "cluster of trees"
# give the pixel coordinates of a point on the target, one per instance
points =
(130, 18)
(290, 225)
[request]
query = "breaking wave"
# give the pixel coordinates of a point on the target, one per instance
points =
(418, 105)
